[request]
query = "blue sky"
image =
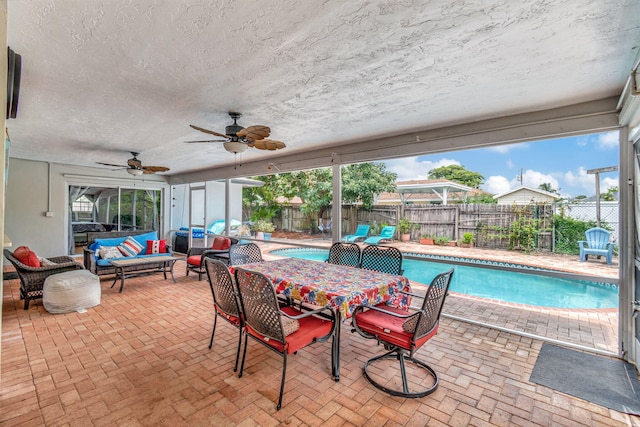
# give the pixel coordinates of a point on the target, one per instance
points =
(562, 162)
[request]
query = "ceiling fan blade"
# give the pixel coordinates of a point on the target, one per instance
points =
(267, 144)
(207, 140)
(254, 133)
(111, 164)
(208, 131)
(154, 169)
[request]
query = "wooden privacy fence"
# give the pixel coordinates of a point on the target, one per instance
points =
(528, 227)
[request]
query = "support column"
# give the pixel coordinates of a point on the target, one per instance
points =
(336, 207)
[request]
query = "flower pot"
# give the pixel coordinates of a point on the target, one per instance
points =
(405, 237)
(267, 236)
(259, 235)
(426, 241)
(452, 243)
(465, 245)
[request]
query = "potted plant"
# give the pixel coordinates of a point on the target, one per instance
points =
(244, 231)
(444, 241)
(467, 240)
(426, 239)
(404, 228)
(263, 229)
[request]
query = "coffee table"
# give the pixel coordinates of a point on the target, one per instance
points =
(166, 264)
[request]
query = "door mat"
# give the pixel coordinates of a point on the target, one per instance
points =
(607, 382)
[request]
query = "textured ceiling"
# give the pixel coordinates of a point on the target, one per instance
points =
(102, 78)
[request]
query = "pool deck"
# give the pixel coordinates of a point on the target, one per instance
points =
(591, 328)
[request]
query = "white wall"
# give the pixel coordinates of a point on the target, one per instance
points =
(27, 200)
(215, 203)
(524, 197)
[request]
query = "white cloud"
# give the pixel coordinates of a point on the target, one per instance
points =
(510, 164)
(502, 149)
(411, 168)
(581, 180)
(608, 141)
(533, 179)
(607, 183)
(496, 185)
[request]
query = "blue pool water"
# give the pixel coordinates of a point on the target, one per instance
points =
(521, 288)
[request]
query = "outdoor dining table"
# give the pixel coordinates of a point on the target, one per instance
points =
(338, 287)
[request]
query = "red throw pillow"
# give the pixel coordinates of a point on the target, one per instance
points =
(221, 243)
(27, 256)
(156, 246)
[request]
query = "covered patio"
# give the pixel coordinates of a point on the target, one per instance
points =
(141, 358)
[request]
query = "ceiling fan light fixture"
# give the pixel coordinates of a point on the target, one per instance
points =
(135, 172)
(235, 147)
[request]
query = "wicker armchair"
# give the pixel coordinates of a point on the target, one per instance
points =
(32, 278)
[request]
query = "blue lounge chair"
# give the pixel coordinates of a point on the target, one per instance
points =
(361, 233)
(596, 243)
(386, 234)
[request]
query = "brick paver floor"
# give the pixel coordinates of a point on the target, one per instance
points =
(141, 358)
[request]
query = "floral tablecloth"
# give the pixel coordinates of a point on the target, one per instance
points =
(335, 286)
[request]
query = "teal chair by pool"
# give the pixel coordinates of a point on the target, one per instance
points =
(361, 233)
(386, 234)
(596, 243)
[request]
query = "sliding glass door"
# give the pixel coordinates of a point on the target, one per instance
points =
(111, 209)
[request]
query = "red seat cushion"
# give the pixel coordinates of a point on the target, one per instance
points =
(26, 256)
(389, 328)
(310, 328)
(194, 260)
(234, 320)
(221, 243)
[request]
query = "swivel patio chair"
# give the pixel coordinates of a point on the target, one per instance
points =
(596, 243)
(344, 254)
(361, 233)
(403, 332)
(385, 235)
(385, 259)
(283, 330)
(219, 250)
(32, 278)
(246, 253)
(225, 299)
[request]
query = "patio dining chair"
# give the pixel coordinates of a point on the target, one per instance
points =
(219, 250)
(225, 299)
(385, 259)
(344, 254)
(403, 332)
(284, 330)
(245, 253)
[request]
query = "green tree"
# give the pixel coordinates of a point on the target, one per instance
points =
(610, 195)
(363, 181)
(546, 186)
(481, 199)
(458, 174)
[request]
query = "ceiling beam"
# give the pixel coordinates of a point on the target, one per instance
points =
(578, 119)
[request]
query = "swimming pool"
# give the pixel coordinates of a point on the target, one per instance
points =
(509, 286)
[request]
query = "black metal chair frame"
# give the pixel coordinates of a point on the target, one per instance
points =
(32, 278)
(261, 308)
(344, 254)
(225, 299)
(220, 254)
(426, 324)
(385, 259)
(245, 253)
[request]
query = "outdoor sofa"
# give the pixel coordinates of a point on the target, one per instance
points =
(97, 240)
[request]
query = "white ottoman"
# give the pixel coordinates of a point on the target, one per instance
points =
(71, 291)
